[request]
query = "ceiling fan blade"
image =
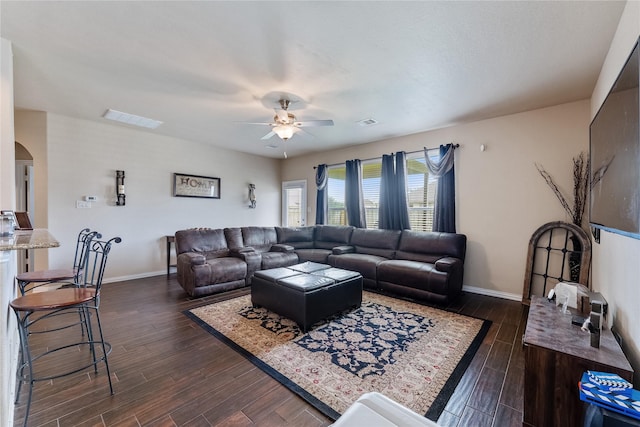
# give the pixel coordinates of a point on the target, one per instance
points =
(304, 132)
(256, 123)
(269, 135)
(310, 123)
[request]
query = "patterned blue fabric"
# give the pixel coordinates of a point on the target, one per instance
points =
(363, 342)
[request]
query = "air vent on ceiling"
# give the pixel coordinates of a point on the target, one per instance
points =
(367, 122)
(131, 119)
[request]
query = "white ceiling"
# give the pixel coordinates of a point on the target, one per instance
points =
(203, 67)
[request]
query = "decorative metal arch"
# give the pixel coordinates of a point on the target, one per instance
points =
(555, 249)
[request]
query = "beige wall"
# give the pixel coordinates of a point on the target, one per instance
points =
(31, 133)
(501, 198)
(615, 260)
(82, 158)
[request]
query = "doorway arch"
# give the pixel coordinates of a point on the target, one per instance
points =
(25, 199)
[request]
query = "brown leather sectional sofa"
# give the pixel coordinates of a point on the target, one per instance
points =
(419, 265)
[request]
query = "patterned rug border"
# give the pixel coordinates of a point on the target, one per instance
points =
(438, 405)
(434, 411)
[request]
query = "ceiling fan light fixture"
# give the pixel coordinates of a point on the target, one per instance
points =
(284, 131)
(282, 116)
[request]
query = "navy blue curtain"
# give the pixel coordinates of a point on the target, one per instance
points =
(387, 199)
(354, 200)
(322, 208)
(402, 212)
(393, 211)
(444, 218)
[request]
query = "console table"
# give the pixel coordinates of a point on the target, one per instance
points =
(557, 353)
(170, 239)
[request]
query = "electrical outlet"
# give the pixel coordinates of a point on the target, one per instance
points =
(81, 204)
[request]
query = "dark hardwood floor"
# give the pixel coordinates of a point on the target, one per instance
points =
(167, 371)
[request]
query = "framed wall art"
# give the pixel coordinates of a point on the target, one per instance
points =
(185, 185)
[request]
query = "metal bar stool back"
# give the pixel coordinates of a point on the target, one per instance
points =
(45, 277)
(35, 308)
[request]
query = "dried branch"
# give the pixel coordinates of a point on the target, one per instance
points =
(581, 185)
(549, 180)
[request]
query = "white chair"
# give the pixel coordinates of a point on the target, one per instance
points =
(375, 409)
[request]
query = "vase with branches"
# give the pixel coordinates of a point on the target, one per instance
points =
(581, 186)
(576, 205)
(576, 208)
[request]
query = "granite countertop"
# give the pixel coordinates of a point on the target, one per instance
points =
(39, 238)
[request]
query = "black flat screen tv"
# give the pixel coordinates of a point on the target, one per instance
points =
(615, 156)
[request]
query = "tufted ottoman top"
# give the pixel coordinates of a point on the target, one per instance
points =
(305, 282)
(273, 274)
(308, 267)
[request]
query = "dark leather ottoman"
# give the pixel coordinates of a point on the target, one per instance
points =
(306, 293)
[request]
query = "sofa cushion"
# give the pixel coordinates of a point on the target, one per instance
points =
(364, 264)
(220, 270)
(234, 238)
(227, 269)
(259, 238)
(298, 237)
(382, 243)
(414, 274)
(429, 247)
(206, 241)
(314, 255)
(278, 259)
(329, 236)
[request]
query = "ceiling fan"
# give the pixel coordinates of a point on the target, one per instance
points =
(285, 124)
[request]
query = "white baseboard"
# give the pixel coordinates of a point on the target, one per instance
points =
(134, 276)
(492, 293)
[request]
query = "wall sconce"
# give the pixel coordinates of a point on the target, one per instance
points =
(252, 196)
(120, 188)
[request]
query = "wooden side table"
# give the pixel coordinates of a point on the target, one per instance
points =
(170, 240)
(557, 353)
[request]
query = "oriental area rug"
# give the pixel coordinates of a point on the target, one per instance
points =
(412, 353)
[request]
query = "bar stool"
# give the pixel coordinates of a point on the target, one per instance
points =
(44, 277)
(36, 307)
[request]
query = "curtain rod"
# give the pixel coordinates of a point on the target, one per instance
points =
(408, 152)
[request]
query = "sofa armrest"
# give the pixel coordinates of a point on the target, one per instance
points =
(248, 255)
(280, 247)
(448, 264)
(251, 257)
(193, 258)
(240, 252)
(344, 249)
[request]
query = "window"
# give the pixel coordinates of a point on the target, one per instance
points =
(371, 176)
(421, 192)
(335, 192)
(371, 173)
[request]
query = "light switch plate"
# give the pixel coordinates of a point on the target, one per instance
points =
(81, 204)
